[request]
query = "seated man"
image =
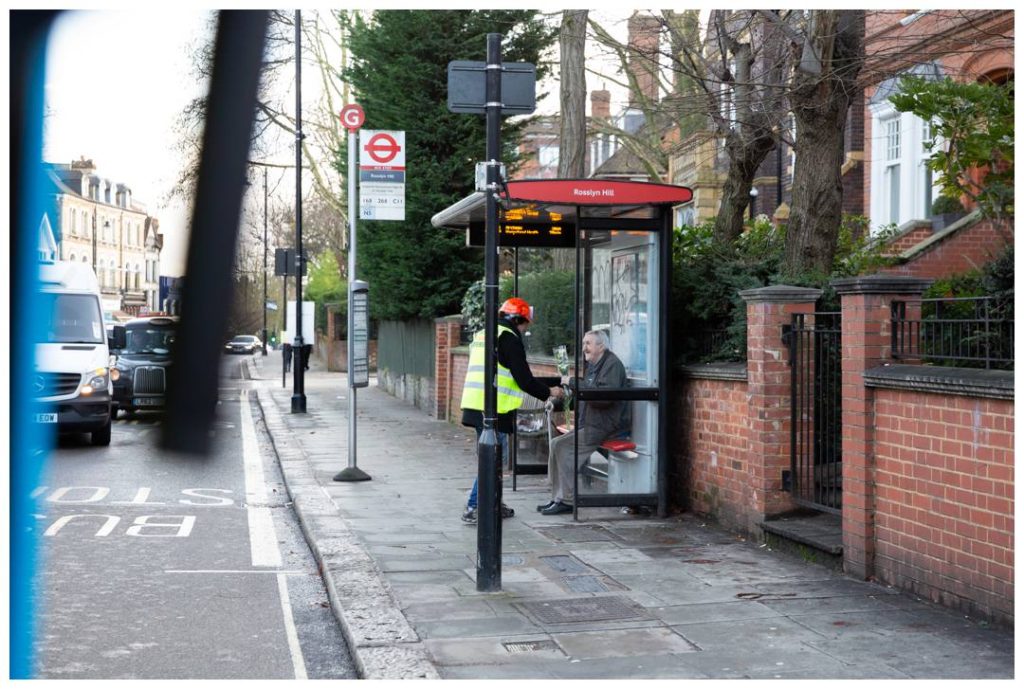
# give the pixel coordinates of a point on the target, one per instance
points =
(597, 421)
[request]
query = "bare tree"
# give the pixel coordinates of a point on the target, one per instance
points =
(274, 127)
(732, 84)
(742, 83)
(829, 50)
(572, 94)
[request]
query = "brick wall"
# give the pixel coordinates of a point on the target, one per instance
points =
(911, 238)
(965, 249)
(944, 498)
(446, 337)
(459, 364)
(710, 447)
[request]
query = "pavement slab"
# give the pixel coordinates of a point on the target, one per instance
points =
(603, 596)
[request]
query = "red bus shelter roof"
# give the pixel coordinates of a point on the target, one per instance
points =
(567, 195)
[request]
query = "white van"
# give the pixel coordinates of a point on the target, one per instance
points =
(72, 377)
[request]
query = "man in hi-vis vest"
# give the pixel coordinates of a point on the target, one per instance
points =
(513, 379)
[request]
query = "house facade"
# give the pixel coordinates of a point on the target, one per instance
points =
(96, 221)
(966, 45)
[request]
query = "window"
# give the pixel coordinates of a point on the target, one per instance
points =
(685, 215)
(74, 222)
(892, 139)
(892, 181)
(138, 276)
(547, 155)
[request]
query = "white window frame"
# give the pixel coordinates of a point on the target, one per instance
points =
(905, 169)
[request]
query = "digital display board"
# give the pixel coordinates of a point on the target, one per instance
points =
(527, 227)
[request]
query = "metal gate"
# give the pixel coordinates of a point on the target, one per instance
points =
(816, 460)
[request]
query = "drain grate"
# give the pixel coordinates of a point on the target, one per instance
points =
(577, 534)
(531, 646)
(573, 610)
(566, 564)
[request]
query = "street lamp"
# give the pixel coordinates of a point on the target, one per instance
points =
(298, 392)
(753, 202)
(264, 338)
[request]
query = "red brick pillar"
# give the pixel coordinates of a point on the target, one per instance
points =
(446, 336)
(768, 393)
(867, 343)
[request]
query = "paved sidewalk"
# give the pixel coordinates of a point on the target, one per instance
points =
(611, 596)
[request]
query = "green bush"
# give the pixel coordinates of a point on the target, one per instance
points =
(946, 204)
(709, 319)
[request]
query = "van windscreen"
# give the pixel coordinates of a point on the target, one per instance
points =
(73, 318)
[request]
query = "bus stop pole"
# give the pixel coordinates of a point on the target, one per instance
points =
(488, 533)
(351, 472)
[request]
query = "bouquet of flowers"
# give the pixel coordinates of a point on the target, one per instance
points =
(562, 362)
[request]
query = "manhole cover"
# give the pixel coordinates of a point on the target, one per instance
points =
(577, 534)
(565, 564)
(589, 583)
(531, 646)
(571, 610)
(512, 560)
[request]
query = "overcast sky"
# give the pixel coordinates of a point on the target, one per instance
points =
(116, 81)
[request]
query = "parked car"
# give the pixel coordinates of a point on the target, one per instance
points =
(243, 344)
(143, 364)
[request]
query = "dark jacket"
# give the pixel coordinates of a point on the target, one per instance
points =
(603, 419)
(512, 355)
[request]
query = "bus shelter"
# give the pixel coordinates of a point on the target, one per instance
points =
(621, 235)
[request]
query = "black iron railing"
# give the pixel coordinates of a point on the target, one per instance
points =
(816, 441)
(972, 332)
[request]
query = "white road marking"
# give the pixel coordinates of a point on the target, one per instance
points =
(298, 662)
(288, 572)
(262, 537)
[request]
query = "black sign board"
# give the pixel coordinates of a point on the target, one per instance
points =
(526, 234)
(467, 87)
(527, 227)
(284, 262)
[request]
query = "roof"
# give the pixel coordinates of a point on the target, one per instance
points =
(565, 198)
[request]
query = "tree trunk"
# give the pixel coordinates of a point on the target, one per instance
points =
(824, 86)
(572, 95)
(756, 76)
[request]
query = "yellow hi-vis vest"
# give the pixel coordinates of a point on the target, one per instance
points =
(509, 395)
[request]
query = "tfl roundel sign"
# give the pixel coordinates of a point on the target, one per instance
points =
(381, 150)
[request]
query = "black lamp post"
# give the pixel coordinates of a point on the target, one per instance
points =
(298, 392)
(753, 202)
(264, 338)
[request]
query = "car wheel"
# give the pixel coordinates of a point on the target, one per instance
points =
(101, 437)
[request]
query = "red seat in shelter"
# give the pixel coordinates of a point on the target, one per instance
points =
(618, 445)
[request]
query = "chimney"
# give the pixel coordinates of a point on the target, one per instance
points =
(83, 164)
(644, 36)
(601, 104)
